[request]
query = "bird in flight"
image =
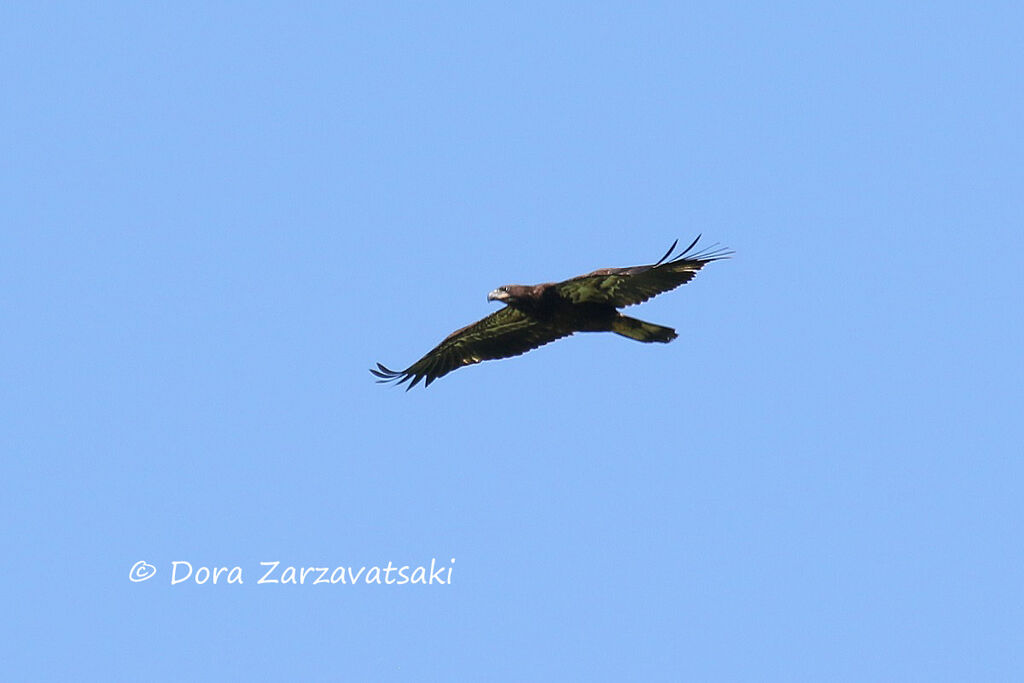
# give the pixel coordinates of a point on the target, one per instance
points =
(535, 315)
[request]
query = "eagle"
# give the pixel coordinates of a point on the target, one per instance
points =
(535, 315)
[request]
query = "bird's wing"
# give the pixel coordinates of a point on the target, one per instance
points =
(504, 333)
(627, 286)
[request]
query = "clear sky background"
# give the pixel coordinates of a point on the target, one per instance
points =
(217, 217)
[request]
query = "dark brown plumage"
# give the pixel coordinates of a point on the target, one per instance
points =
(537, 314)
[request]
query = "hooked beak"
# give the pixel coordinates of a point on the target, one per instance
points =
(497, 295)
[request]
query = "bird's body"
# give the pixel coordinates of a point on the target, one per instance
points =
(544, 304)
(535, 315)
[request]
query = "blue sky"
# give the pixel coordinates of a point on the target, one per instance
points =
(218, 217)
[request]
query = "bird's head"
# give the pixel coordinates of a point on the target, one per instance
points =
(508, 294)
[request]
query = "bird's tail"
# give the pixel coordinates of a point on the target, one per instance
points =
(641, 331)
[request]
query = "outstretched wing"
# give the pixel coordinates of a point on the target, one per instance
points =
(627, 286)
(504, 333)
